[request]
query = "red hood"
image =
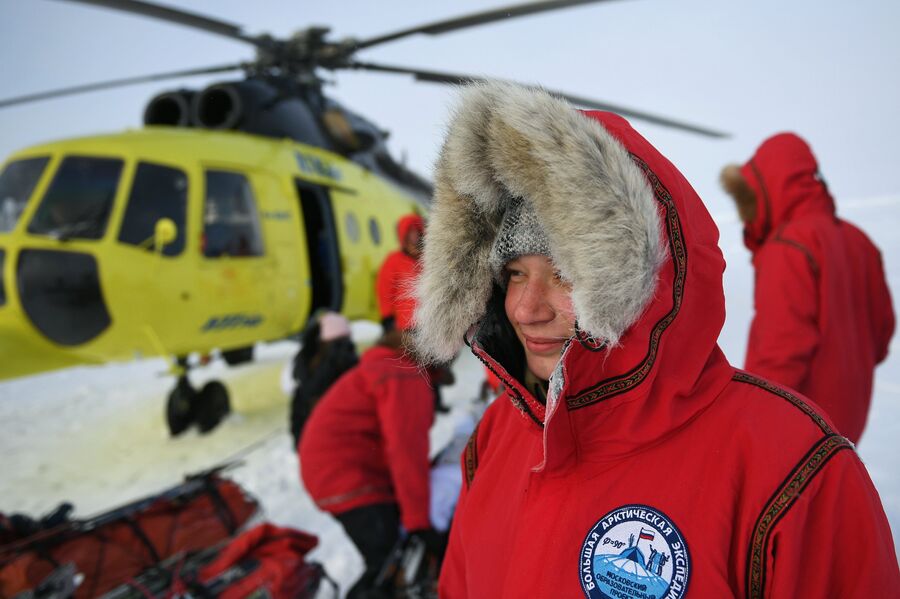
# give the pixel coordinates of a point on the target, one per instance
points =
(667, 367)
(624, 227)
(784, 176)
(408, 222)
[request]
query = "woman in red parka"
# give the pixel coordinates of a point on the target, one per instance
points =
(626, 457)
(823, 310)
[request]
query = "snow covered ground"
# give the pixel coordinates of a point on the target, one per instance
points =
(95, 436)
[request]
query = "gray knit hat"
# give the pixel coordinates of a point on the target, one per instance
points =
(520, 234)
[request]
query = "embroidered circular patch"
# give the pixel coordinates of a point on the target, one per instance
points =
(634, 552)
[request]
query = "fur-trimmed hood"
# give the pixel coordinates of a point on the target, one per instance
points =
(625, 228)
(594, 203)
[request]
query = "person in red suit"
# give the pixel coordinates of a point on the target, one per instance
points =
(823, 316)
(395, 290)
(398, 273)
(364, 455)
(626, 457)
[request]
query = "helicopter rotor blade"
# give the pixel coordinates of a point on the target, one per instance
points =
(90, 87)
(475, 19)
(456, 79)
(174, 15)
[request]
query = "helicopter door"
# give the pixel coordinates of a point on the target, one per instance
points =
(321, 246)
(236, 268)
(152, 287)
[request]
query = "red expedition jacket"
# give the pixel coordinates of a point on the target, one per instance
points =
(823, 310)
(366, 441)
(658, 469)
(396, 276)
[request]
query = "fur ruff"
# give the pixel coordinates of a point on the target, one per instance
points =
(735, 185)
(594, 203)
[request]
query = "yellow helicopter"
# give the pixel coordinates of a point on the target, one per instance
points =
(231, 217)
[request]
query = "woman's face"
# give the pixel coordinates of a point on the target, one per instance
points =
(539, 307)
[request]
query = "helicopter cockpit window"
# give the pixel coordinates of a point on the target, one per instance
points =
(157, 192)
(230, 221)
(79, 199)
(17, 181)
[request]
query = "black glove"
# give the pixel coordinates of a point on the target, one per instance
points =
(435, 542)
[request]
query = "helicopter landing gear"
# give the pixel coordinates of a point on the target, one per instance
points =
(179, 407)
(187, 406)
(211, 406)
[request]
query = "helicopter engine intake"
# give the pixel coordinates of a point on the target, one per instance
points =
(220, 106)
(172, 108)
(255, 106)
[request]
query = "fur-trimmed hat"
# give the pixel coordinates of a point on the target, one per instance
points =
(594, 204)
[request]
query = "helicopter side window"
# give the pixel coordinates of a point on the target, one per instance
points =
(79, 199)
(17, 181)
(230, 223)
(351, 225)
(374, 231)
(157, 192)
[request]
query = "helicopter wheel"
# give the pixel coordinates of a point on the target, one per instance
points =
(180, 407)
(211, 406)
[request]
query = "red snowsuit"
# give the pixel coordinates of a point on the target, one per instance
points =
(823, 310)
(366, 441)
(656, 460)
(396, 277)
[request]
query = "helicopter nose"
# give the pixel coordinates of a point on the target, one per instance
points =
(60, 292)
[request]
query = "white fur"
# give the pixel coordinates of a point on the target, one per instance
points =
(594, 203)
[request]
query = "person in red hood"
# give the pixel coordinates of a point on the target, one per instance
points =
(394, 288)
(364, 454)
(397, 274)
(823, 310)
(626, 456)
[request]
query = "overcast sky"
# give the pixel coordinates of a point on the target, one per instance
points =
(828, 70)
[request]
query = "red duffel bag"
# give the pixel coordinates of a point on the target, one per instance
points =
(265, 561)
(107, 550)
